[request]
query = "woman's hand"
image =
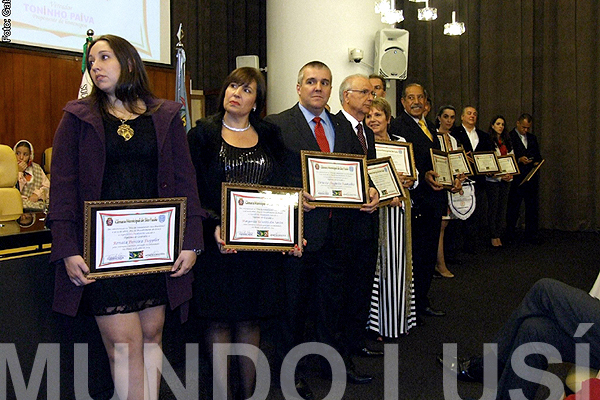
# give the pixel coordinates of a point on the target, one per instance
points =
(297, 252)
(184, 263)
(33, 198)
(221, 242)
(77, 270)
(22, 165)
(396, 202)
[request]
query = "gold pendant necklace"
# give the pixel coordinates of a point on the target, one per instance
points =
(124, 130)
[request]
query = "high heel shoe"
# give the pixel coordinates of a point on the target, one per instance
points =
(445, 274)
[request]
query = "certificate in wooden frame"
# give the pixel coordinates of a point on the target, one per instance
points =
(464, 166)
(384, 177)
(401, 153)
(508, 165)
(441, 165)
(532, 172)
(133, 237)
(485, 162)
(261, 218)
(335, 179)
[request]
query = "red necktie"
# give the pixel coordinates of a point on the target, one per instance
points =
(320, 135)
(361, 137)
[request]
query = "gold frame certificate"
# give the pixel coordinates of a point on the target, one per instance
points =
(401, 153)
(459, 164)
(508, 165)
(485, 162)
(261, 218)
(532, 172)
(133, 237)
(335, 179)
(385, 179)
(441, 166)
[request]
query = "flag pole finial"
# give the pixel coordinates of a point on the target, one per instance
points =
(180, 35)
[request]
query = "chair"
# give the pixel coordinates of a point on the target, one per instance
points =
(11, 204)
(47, 161)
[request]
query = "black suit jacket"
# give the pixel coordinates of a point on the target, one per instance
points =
(532, 151)
(485, 144)
(425, 199)
(297, 135)
(363, 225)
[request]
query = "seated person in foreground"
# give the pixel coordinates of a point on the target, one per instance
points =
(551, 314)
(33, 182)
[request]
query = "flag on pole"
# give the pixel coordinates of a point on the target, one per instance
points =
(180, 90)
(86, 80)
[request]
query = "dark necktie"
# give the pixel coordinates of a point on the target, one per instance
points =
(361, 137)
(320, 135)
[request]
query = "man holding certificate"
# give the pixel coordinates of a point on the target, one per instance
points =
(318, 275)
(473, 139)
(527, 153)
(428, 197)
(356, 96)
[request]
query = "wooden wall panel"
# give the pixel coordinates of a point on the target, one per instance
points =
(36, 85)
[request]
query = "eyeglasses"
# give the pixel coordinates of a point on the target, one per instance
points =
(364, 92)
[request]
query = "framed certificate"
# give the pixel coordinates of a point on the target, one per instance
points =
(335, 179)
(132, 237)
(485, 162)
(441, 166)
(401, 153)
(459, 163)
(532, 172)
(508, 165)
(261, 218)
(385, 178)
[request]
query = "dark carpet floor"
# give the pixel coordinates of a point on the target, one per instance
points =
(485, 290)
(487, 287)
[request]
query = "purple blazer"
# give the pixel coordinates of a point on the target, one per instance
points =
(78, 159)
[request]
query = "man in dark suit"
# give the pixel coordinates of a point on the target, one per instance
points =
(527, 153)
(356, 96)
(319, 274)
(429, 199)
(473, 139)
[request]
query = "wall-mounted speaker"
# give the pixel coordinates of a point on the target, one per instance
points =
(246, 61)
(391, 53)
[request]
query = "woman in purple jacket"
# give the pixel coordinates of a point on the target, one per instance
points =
(121, 143)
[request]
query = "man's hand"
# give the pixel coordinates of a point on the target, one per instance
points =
(525, 160)
(374, 201)
(307, 197)
(430, 179)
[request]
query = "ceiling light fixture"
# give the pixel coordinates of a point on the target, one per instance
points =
(427, 13)
(454, 28)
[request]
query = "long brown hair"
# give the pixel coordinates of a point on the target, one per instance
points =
(133, 83)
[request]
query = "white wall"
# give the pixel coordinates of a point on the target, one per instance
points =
(323, 30)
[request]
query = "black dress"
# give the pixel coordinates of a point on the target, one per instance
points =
(247, 285)
(130, 173)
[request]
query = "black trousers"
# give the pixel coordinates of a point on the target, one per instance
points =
(426, 226)
(528, 193)
(359, 270)
(313, 282)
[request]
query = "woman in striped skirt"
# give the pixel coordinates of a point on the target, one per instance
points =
(392, 302)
